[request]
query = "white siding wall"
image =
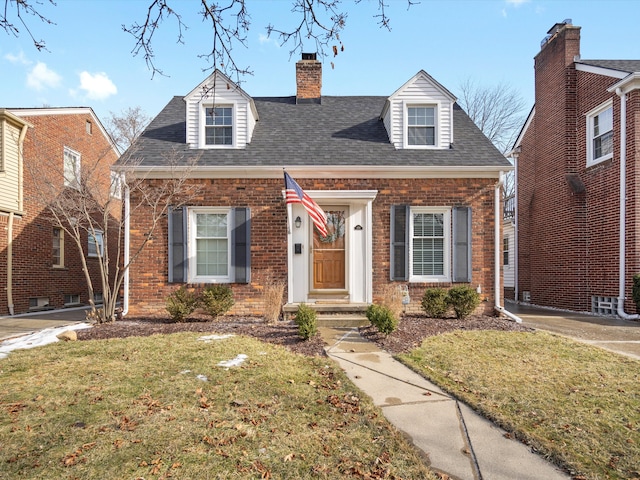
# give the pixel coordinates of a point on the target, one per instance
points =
(10, 176)
(421, 91)
(244, 120)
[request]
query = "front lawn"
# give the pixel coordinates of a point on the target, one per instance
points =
(577, 405)
(161, 406)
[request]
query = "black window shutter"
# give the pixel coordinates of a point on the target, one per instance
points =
(177, 245)
(241, 245)
(399, 239)
(462, 244)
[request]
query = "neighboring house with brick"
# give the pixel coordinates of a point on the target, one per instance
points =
(42, 152)
(408, 183)
(577, 166)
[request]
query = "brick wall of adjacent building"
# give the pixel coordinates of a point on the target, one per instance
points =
(568, 239)
(150, 288)
(33, 272)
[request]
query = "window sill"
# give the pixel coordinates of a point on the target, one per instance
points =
(59, 268)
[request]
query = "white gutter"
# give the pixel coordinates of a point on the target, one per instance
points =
(516, 246)
(623, 208)
(127, 232)
(497, 251)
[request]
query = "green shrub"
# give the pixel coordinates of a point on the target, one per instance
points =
(216, 300)
(464, 300)
(307, 321)
(435, 302)
(181, 303)
(636, 291)
(382, 318)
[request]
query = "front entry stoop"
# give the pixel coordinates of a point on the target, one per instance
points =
(333, 314)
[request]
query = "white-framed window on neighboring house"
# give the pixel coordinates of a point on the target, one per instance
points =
(116, 186)
(95, 244)
(58, 248)
(430, 244)
(210, 241)
(505, 251)
(71, 168)
(600, 134)
(421, 126)
(218, 126)
(98, 298)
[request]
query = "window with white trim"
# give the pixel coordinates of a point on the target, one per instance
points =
(58, 248)
(116, 186)
(95, 244)
(71, 167)
(71, 299)
(210, 241)
(430, 244)
(505, 251)
(218, 125)
(600, 134)
(421, 125)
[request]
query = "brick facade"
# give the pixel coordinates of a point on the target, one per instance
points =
(33, 271)
(568, 221)
(149, 286)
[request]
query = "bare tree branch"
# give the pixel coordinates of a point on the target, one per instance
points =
(18, 8)
(126, 126)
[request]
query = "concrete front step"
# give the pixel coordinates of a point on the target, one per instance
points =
(338, 320)
(333, 314)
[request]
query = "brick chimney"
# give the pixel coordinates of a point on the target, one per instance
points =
(308, 79)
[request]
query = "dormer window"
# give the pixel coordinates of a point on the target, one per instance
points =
(421, 126)
(219, 125)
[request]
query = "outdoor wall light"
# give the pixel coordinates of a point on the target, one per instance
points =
(298, 221)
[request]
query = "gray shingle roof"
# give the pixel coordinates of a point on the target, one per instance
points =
(341, 131)
(628, 66)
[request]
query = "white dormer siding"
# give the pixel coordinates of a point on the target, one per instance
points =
(425, 94)
(219, 92)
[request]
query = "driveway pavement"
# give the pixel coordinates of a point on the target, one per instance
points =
(28, 323)
(612, 333)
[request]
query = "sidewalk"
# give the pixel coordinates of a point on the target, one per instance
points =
(457, 441)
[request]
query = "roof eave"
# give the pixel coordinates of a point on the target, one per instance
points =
(627, 84)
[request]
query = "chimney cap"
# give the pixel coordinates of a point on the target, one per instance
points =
(558, 26)
(309, 56)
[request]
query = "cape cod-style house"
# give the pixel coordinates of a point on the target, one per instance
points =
(409, 184)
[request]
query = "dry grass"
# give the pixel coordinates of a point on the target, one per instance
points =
(160, 407)
(392, 298)
(272, 299)
(576, 404)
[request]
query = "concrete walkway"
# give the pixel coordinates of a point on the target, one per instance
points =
(456, 440)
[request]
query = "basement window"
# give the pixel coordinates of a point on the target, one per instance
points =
(39, 303)
(71, 299)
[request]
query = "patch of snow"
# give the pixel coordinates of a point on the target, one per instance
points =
(236, 362)
(37, 339)
(184, 372)
(209, 338)
(202, 377)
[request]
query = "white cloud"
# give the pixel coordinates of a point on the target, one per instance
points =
(262, 38)
(97, 86)
(516, 3)
(41, 77)
(18, 59)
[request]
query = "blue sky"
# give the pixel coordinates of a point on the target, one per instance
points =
(89, 60)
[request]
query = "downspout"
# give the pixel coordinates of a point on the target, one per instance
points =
(623, 208)
(127, 232)
(516, 258)
(10, 264)
(496, 249)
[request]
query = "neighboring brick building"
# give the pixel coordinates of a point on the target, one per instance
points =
(408, 183)
(584, 127)
(43, 151)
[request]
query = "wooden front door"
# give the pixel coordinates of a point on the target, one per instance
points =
(329, 252)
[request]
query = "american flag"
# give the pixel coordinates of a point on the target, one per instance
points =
(295, 194)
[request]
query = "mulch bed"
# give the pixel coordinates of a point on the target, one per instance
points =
(412, 329)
